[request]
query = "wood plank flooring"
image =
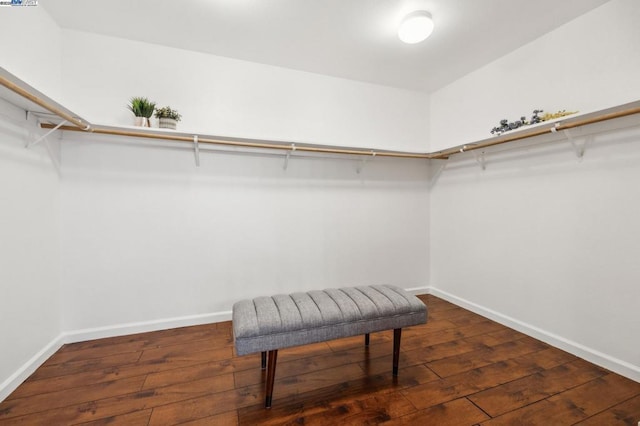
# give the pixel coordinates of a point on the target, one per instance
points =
(459, 369)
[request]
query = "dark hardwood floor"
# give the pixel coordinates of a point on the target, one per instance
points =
(459, 369)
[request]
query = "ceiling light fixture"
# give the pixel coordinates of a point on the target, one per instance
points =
(416, 27)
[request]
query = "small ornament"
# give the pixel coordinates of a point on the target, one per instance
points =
(505, 125)
(549, 116)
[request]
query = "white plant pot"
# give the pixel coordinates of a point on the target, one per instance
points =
(167, 123)
(141, 122)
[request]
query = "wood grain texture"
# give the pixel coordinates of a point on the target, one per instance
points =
(458, 369)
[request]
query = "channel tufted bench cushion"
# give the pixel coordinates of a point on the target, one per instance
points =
(271, 323)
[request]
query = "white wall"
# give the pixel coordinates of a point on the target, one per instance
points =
(147, 236)
(29, 200)
(29, 251)
(539, 240)
(30, 48)
(588, 64)
(223, 96)
(547, 243)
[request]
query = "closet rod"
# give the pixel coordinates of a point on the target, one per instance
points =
(444, 154)
(189, 139)
(82, 125)
(36, 100)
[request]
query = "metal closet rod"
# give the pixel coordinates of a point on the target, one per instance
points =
(443, 154)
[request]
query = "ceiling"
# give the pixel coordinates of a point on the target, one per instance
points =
(353, 39)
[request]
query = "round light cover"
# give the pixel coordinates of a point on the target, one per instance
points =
(415, 27)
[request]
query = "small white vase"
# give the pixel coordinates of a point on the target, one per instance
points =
(167, 123)
(141, 122)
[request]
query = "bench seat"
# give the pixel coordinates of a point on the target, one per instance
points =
(266, 324)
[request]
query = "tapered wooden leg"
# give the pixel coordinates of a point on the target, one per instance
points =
(271, 374)
(366, 339)
(263, 362)
(397, 333)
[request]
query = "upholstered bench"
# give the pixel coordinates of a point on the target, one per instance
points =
(266, 324)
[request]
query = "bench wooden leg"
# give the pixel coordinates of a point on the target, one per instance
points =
(263, 361)
(366, 339)
(271, 374)
(397, 333)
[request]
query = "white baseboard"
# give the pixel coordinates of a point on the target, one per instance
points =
(27, 369)
(418, 290)
(603, 360)
(16, 379)
(144, 326)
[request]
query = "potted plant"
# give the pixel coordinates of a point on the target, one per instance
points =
(167, 117)
(142, 109)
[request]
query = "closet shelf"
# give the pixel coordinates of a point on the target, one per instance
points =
(31, 100)
(546, 127)
(23, 96)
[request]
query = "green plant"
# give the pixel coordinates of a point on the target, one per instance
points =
(141, 107)
(167, 112)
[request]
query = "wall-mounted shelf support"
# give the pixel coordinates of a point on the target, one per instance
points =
(363, 162)
(436, 167)
(579, 148)
(288, 155)
(38, 140)
(481, 159)
(196, 150)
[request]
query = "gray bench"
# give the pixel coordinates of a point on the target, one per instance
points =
(266, 324)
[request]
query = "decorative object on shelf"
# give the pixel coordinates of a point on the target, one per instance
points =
(142, 109)
(535, 118)
(505, 125)
(551, 116)
(167, 118)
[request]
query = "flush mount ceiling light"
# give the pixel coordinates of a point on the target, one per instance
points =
(416, 27)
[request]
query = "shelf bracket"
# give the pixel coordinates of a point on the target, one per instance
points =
(481, 159)
(435, 172)
(286, 158)
(37, 141)
(363, 162)
(578, 148)
(196, 150)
